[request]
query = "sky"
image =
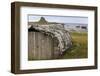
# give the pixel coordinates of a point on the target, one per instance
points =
(59, 19)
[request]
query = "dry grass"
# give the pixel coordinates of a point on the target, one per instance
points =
(79, 48)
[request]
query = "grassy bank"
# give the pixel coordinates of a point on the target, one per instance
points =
(79, 48)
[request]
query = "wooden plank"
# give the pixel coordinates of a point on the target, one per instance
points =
(50, 44)
(41, 36)
(49, 48)
(30, 45)
(36, 45)
(40, 46)
(33, 38)
(43, 46)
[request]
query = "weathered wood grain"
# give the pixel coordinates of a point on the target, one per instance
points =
(40, 46)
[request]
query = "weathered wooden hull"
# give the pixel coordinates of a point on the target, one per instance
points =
(47, 42)
(40, 46)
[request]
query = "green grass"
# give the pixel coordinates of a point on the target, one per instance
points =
(79, 48)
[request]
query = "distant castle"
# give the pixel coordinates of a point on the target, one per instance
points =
(44, 22)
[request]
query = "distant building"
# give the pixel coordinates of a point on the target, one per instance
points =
(76, 27)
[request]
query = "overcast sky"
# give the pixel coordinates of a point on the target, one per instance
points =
(59, 19)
